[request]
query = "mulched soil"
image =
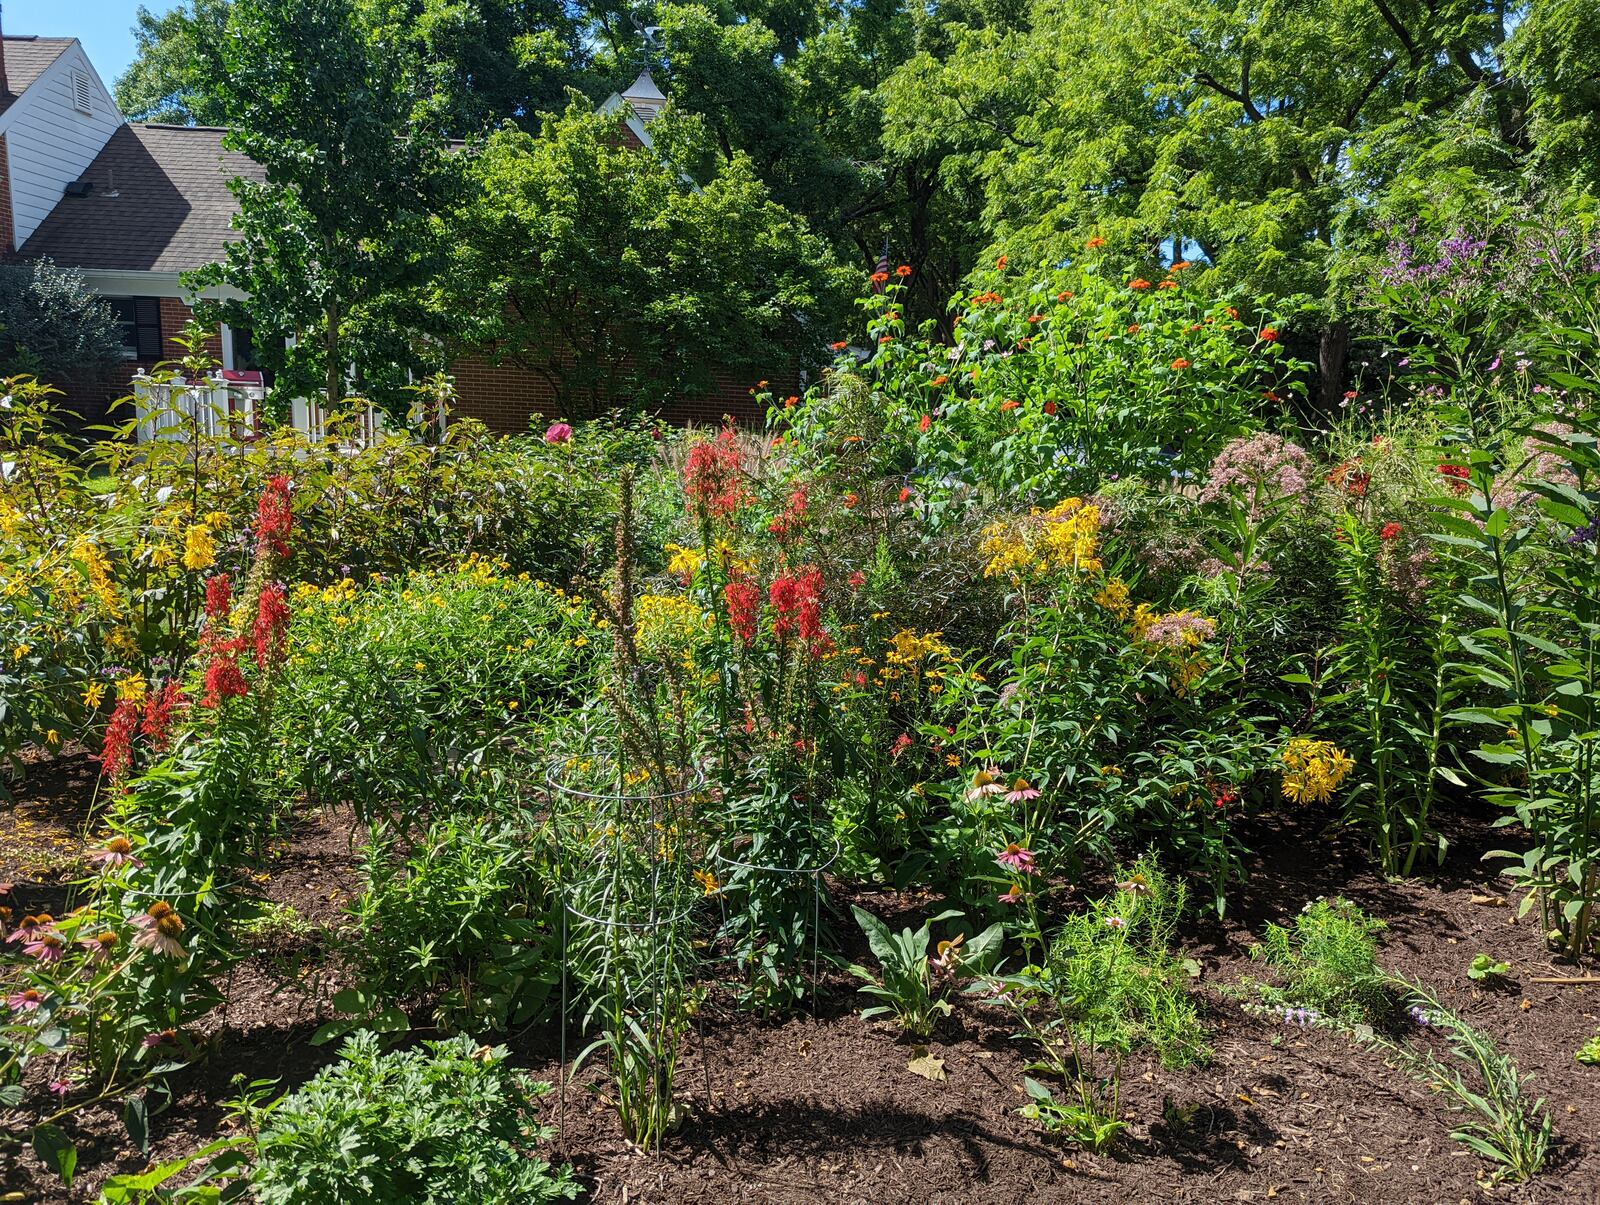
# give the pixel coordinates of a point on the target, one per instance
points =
(822, 1108)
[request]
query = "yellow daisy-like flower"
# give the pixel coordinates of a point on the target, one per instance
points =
(94, 694)
(132, 688)
(199, 548)
(1313, 770)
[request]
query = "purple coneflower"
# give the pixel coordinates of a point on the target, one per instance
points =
(1015, 857)
(46, 945)
(116, 853)
(102, 946)
(985, 782)
(159, 928)
(25, 1001)
(1015, 895)
(28, 926)
(1116, 922)
(1021, 791)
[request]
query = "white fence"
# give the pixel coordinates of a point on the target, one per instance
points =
(216, 408)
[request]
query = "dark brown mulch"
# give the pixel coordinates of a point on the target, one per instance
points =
(822, 1107)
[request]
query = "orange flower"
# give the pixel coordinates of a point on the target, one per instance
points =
(1167, 284)
(1138, 282)
(879, 277)
(1232, 312)
(885, 338)
(1179, 266)
(1133, 328)
(940, 379)
(924, 422)
(1179, 364)
(761, 384)
(905, 493)
(1049, 407)
(1096, 241)
(1009, 404)
(1269, 335)
(903, 271)
(840, 346)
(790, 402)
(1000, 264)
(850, 499)
(1064, 295)
(1035, 317)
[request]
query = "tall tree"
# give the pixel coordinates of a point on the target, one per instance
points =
(607, 269)
(166, 82)
(340, 244)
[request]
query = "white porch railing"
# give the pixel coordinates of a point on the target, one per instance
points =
(212, 406)
(219, 408)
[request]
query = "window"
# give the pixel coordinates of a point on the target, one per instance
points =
(82, 93)
(140, 319)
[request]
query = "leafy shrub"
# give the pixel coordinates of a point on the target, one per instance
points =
(445, 1124)
(911, 983)
(460, 922)
(52, 325)
(1329, 964)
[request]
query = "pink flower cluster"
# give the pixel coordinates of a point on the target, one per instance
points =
(1265, 467)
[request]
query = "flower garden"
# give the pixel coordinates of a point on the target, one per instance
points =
(1053, 761)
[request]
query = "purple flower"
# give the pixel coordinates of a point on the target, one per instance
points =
(1420, 1015)
(1015, 857)
(60, 1087)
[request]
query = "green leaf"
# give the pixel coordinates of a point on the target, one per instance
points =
(56, 1151)
(136, 1120)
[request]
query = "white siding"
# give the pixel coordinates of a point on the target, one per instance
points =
(50, 142)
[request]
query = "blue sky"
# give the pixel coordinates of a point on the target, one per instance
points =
(103, 26)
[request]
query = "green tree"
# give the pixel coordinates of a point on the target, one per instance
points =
(166, 81)
(52, 326)
(608, 270)
(340, 244)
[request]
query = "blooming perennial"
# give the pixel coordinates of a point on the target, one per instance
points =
(1313, 770)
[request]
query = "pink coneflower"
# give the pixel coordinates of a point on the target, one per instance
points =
(1116, 922)
(557, 433)
(1015, 857)
(29, 926)
(985, 782)
(115, 854)
(46, 946)
(160, 1038)
(26, 1001)
(59, 1087)
(102, 946)
(159, 928)
(1135, 885)
(948, 956)
(1015, 895)
(1021, 791)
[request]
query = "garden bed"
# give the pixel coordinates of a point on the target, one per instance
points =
(822, 1107)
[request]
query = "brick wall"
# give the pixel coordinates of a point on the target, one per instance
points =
(8, 219)
(509, 399)
(92, 398)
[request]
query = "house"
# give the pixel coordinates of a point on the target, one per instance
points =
(136, 205)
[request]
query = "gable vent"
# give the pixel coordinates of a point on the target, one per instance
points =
(82, 94)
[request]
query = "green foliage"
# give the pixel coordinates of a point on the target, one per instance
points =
(909, 982)
(460, 922)
(51, 325)
(1328, 962)
(1500, 1122)
(445, 1123)
(1485, 968)
(1589, 1053)
(715, 275)
(223, 1178)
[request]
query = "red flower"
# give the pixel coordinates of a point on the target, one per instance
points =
(711, 482)
(1049, 407)
(797, 598)
(1222, 795)
(905, 493)
(744, 608)
(1269, 335)
(1179, 364)
(271, 627)
(1390, 531)
(159, 709)
(857, 580)
(219, 597)
(924, 422)
(788, 522)
(274, 518)
(116, 754)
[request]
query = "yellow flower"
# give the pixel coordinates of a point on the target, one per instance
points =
(132, 688)
(21, 651)
(1114, 598)
(1065, 537)
(511, 704)
(1313, 770)
(52, 737)
(418, 666)
(708, 881)
(199, 549)
(94, 694)
(162, 555)
(684, 561)
(216, 520)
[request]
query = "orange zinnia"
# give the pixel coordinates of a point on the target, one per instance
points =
(1179, 364)
(903, 270)
(1138, 282)
(1096, 241)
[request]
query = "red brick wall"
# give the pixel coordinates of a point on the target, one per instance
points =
(8, 219)
(92, 399)
(507, 398)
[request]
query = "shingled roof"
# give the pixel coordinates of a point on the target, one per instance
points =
(160, 203)
(26, 60)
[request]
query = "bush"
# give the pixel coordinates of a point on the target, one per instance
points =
(1329, 963)
(52, 325)
(438, 1126)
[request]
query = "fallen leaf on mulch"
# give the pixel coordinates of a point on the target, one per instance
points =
(928, 1066)
(1490, 901)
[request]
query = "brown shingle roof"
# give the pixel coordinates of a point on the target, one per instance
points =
(172, 208)
(26, 61)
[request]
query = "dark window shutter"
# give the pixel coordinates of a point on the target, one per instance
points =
(147, 321)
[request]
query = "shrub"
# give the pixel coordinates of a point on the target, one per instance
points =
(1329, 964)
(445, 1124)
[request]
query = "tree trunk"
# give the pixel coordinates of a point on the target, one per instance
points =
(331, 347)
(1332, 352)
